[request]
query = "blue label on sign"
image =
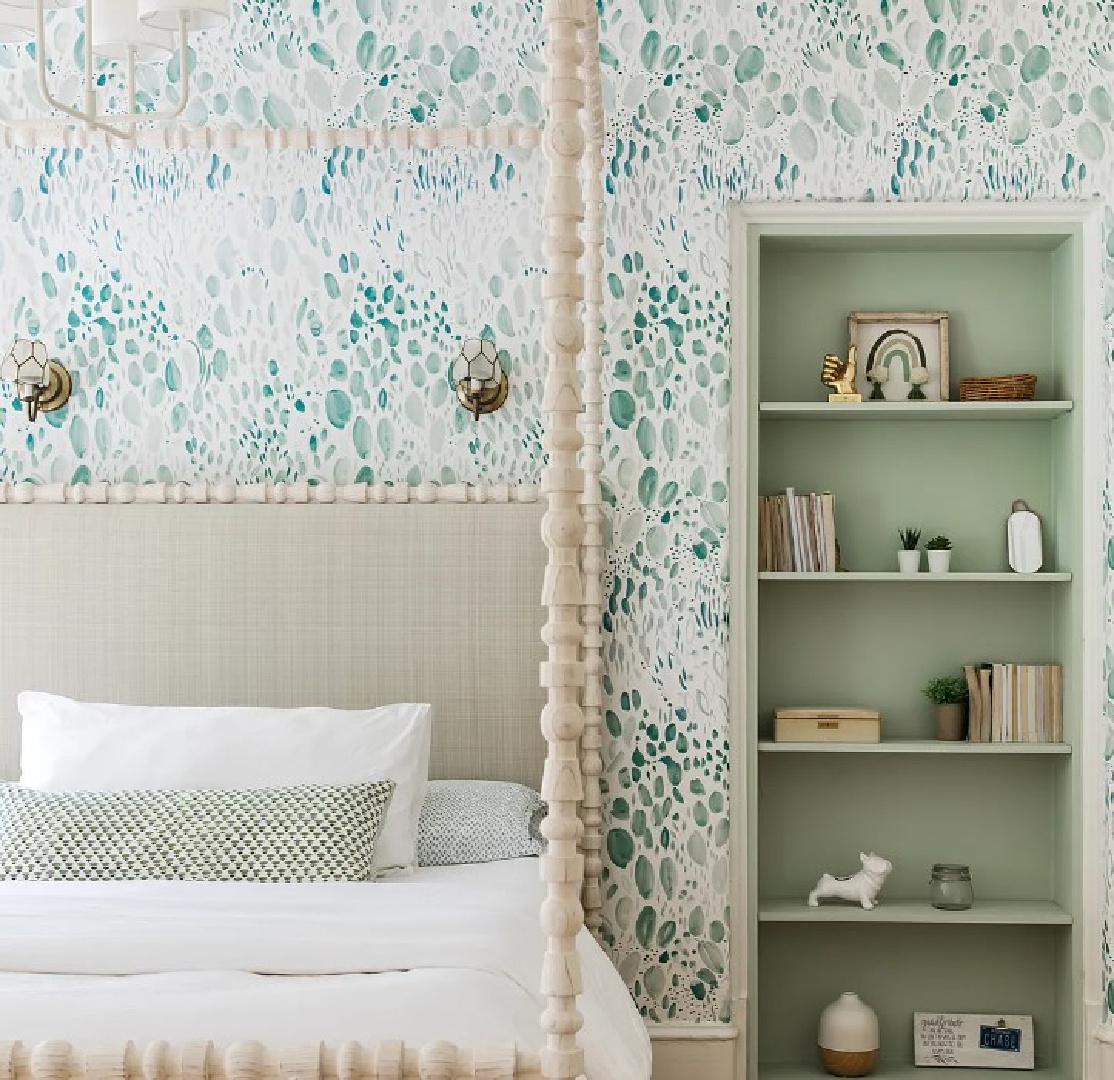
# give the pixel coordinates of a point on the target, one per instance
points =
(1000, 1038)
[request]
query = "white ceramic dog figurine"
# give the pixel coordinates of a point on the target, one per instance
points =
(863, 886)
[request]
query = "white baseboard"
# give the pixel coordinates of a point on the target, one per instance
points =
(1100, 1057)
(695, 1051)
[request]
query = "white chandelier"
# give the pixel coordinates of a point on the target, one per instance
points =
(127, 32)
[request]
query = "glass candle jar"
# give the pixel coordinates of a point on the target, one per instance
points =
(950, 888)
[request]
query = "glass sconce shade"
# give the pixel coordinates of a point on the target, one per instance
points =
(478, 365)
(26, 363)
(42, 384)
(480, 381)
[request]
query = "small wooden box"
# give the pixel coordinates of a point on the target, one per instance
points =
(827, 725)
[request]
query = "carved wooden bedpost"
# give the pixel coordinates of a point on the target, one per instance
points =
(562, 674)
(591, 427)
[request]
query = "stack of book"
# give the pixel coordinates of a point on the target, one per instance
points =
(796, 533)
(1015, 702)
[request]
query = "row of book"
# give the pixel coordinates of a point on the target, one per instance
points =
(796, 533)
(1015, 702)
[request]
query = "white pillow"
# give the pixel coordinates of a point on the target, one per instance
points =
(76, 746)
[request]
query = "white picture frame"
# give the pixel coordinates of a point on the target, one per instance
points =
(904, 343)
(973, 1041)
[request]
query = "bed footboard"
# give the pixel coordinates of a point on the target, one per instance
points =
(253, 1061)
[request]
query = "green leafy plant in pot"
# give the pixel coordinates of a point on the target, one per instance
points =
(939, 550)
(909, 557)
(949, 694)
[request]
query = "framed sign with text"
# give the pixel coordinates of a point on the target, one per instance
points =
(973, 1040)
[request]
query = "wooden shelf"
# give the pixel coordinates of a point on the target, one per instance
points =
(920, 579)
(918, 746)
(914, 410)
(899, 1071)
(983, 913)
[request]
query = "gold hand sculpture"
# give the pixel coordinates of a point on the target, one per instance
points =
(840, 376)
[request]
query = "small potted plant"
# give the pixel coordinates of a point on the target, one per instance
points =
(949, 694)
(939, 550)
(909, 557)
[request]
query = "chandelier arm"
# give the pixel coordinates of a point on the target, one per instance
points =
(130, 74)
(184, 64)
(90, 61)
(90, 115)
(163, 115)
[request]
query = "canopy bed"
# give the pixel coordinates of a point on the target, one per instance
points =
(222, 595)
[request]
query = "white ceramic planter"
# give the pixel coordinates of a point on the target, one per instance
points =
(939, 562)
(909, 562)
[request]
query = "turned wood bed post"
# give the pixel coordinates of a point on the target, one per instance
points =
(591, 428)
(562, 673)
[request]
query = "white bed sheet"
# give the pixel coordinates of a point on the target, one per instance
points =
(455, 951)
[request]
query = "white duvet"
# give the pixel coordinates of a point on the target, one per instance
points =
(453, 953)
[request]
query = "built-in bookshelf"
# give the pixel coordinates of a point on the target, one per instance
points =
(1015, 284)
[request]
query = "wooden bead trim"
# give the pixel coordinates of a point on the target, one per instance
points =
(562, 674)
(292, 494)
(225, 138)
(572, 592)
(591, 428)
(253, 1061)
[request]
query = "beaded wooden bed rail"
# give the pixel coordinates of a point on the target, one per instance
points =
(253, 1061)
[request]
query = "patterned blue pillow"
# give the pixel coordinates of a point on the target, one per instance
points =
(477, 821)
(311, 833)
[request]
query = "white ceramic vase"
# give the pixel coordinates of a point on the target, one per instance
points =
(909, 562)
(848, 1037)
(939, 562)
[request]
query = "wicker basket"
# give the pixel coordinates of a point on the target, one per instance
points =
(999, 388)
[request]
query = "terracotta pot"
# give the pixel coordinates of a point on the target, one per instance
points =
(848, 1037)
(951, 722)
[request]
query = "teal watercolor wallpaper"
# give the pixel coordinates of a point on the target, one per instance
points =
(293, 314)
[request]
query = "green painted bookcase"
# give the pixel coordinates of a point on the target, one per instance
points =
(1019, 286)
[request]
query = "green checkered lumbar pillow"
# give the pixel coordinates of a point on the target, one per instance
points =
(311, 833)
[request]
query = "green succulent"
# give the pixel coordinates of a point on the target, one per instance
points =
(947, 690)
(909, 538)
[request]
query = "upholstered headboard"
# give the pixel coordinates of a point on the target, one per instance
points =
(347, 605)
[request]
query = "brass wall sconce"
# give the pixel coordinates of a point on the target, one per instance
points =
(42, 384)
(481, 383)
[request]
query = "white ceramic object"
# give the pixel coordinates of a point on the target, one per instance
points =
(1026, 545)
(909, 562)
(862, 887)
(849, 1025)
(939, 562)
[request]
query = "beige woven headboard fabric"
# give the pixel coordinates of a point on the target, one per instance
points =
(347, 606)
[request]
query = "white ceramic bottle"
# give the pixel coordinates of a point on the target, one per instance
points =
(848, 1037)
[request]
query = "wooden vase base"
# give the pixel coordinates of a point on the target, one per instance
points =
(849, 1062)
